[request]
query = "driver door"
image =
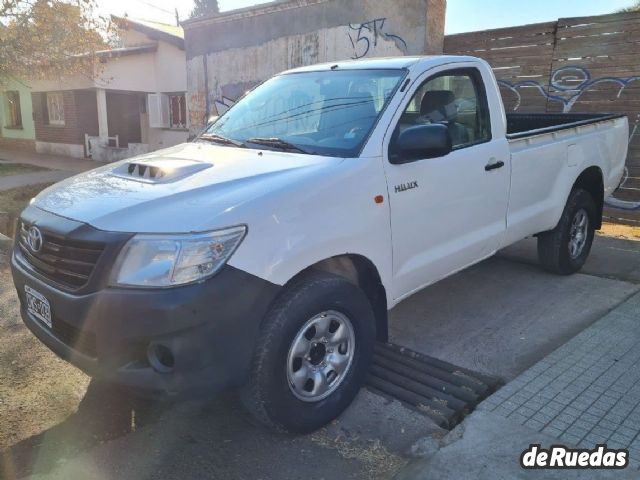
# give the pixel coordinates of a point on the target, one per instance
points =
(447, 212)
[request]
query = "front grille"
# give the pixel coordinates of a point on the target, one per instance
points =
(80, 340)
(66, 262)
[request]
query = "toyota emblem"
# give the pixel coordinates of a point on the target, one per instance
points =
(34, 239)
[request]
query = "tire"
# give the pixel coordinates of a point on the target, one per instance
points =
(268, 394)
(557, 251)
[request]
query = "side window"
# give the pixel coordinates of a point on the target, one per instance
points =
(456, 99)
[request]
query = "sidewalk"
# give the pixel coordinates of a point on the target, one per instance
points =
(60, 168)
(584, 393)
(54, 162)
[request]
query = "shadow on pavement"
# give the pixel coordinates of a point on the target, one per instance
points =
(106, 412)
(114, 435)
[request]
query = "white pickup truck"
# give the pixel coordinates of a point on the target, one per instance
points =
(266, 253)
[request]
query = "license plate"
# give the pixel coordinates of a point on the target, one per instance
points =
(38, 305)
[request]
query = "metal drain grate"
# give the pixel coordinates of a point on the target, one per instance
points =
(440, 390)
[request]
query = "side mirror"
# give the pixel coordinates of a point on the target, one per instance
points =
(421, 141)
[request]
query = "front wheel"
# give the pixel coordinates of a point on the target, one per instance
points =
(313, 353)
(564, 250)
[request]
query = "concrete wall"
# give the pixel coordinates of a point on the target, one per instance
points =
(230, 53)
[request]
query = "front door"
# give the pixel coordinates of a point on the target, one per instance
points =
(447, 212)
(123, 117)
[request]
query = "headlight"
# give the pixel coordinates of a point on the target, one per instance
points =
(171, 260)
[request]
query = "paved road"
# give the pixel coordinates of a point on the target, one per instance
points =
(584, 394)
(499, 317)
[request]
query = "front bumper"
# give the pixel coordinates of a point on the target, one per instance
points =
(210, 328)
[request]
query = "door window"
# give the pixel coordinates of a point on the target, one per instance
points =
(455, 99)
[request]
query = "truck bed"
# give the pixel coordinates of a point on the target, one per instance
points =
(521, 125)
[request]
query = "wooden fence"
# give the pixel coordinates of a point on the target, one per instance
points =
(582, 64)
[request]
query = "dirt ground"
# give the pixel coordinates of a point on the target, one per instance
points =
(15, 200)
(18, 168)
(37, 389)
(615, 230)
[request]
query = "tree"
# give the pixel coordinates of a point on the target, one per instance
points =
(47, 38)
(633, 8)
(204, 7)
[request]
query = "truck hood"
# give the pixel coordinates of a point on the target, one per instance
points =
(186, 188)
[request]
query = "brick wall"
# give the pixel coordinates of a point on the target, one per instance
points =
(80, 117)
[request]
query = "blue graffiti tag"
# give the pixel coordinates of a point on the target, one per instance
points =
(569, 93)
(571, 82)
(368, 33)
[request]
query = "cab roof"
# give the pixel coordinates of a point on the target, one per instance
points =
(381, 63)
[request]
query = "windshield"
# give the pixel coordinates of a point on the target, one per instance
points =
(326, 113)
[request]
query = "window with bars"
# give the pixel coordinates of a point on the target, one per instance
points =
(55, 108)
(177, 111)
(167, 110)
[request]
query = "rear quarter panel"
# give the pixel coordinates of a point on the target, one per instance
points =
(545, 167)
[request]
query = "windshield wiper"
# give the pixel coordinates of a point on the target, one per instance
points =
(212, 137)
(277, 143)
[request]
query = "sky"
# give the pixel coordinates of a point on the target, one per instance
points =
(462, 15)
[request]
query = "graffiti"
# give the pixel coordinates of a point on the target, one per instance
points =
(569, 84)
(364, 37)
(229, 95)
(223, 104)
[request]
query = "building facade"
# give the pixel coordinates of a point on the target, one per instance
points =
(134, 103)
(230, 53)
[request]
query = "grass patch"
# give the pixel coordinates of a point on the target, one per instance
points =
(15, 200)
(7, 169)
(627, 232)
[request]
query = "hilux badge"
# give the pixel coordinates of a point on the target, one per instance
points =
(34, 239)
(406, 186)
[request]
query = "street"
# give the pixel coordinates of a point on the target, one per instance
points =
(498, 318)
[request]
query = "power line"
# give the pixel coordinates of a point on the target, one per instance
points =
(149, 4)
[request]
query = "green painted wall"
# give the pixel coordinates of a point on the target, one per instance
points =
(27, 131)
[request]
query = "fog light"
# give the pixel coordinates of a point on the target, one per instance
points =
(160, 357)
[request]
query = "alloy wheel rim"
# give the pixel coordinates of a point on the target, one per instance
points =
(578, 233)
(320, 356)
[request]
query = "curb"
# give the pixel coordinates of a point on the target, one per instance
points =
(5, 242)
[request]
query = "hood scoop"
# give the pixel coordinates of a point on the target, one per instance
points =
(163, 170)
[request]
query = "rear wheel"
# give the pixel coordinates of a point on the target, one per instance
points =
(315, 347)
(565, 249)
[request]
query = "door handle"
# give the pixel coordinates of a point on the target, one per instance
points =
(493, 166)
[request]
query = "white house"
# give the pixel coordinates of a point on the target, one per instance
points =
(134, 103)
